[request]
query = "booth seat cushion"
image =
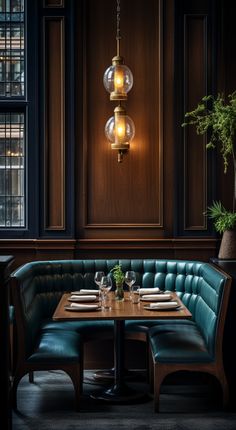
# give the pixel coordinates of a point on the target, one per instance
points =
(82, 327)
(145, 325)
(56, 347)
(178, 343)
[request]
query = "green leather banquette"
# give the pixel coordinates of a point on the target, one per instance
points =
(44, 343)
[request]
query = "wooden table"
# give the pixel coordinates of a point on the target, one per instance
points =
(121, 311)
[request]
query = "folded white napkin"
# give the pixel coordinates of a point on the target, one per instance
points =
(82, 307)
(83, 291)
(149, 290)
(156, 297)
(78, 298)
(164, 305)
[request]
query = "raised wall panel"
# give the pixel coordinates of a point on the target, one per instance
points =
(54, 108)
(195, 87)
(53, 3)
(123, 195)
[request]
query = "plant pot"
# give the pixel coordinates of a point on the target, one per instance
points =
(227, 249)
(119, 293)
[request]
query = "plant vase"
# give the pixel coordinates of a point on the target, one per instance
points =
(227, 249)
(119, 292)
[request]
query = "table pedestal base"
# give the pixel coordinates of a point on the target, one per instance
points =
(120, 394)
(106, 375)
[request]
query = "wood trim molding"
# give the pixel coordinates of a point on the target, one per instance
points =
(42, 244)
(54, 123)
(193, 243)
(195, 197)
(53, 3)
(26, 250)
(146, 244)
(160, 114)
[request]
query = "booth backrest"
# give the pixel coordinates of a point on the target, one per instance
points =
(41, 284)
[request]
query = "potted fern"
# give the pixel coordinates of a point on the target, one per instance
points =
(216, 116)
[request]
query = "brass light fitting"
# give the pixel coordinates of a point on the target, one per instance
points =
(118, 81)
(120, 131)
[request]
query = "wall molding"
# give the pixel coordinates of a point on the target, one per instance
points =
(54, 122)
(26, 250)
(195, 198)
(106, 244)
(90, 216)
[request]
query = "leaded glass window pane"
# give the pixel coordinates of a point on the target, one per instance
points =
(12, 62)
(12, 170)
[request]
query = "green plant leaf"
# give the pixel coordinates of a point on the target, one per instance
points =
(217, 118)
(118, 274)
(223, 219)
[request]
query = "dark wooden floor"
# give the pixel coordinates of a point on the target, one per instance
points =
(48, 404)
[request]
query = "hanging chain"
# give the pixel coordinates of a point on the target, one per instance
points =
(118, 36)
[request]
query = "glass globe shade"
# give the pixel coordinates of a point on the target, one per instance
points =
(120, 129)
(118, 80)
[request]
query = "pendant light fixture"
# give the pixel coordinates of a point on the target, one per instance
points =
(118, 81)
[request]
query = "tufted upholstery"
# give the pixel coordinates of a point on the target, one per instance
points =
(43, 283)
(38, 286)
(194, 345)
(200, 287)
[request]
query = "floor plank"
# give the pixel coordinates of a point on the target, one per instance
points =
(48, 404)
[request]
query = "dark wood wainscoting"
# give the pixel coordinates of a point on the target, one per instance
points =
(28, 250)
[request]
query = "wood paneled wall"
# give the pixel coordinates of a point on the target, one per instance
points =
(152, 204)
(122, 200)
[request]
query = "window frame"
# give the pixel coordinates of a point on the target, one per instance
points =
(27, 105)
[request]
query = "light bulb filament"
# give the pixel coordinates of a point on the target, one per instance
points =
(118, 80)
(120, 131)
(120, 128)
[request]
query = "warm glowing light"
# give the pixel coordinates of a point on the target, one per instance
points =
(118, 79)
(120, 128)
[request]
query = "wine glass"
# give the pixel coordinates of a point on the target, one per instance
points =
(105, 287)
(98, 277)
(130, 279)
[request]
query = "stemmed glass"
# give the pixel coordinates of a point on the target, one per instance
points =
(97, 279)
(130, 279)
(105, 287)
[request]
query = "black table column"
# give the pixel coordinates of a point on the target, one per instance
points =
(5, 410)
(229, 356)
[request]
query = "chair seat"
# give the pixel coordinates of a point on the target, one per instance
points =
(56, 346)
(145, 325)
(178, 343)
(90, 330)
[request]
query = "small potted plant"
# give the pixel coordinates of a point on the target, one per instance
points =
(224, 222)
(218, 118)
(119, 280)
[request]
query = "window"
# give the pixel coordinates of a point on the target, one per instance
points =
(12, 119)
(12, 162)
